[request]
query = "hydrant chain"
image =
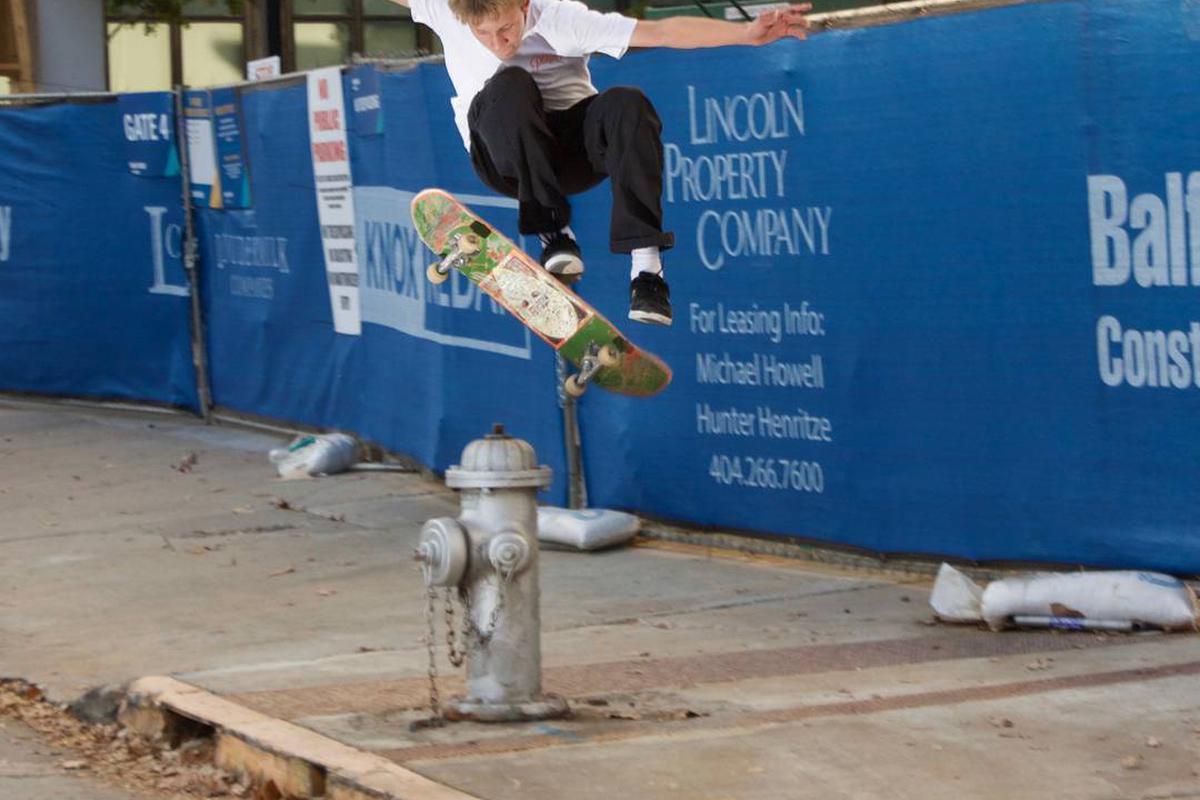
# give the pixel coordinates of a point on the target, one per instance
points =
(456, 643)
(435, 703)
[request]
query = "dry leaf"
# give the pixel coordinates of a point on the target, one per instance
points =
(189, 461)
(287, 571)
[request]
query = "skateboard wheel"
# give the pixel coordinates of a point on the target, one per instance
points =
(435, 274)
(608, 355)
(574, 388)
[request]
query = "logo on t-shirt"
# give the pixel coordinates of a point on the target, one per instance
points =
(537, 62)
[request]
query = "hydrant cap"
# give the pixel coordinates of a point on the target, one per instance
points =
(498, 461)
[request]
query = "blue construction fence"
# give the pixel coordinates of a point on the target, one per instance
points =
(935, 284)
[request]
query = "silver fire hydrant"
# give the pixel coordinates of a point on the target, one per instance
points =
(490, 554)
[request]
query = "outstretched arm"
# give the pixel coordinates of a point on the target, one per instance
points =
(686, 33)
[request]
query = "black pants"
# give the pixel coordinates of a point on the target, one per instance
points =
(539, 157)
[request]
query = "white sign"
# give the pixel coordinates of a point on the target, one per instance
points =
(335, 197)
(202, 159)
(263, 68)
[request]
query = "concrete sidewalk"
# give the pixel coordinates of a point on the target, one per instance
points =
(692, 672)
(28, 771)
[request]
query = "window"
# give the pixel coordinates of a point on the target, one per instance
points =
(327, 32)
(147, 54)
(139, 59)
(16, 47)
(212, 53)
(321, 44)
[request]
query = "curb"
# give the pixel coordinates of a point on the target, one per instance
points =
(300, 762)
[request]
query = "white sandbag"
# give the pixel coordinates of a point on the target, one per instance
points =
(587, 529)
(1147, 598)
(955, 597)
(306, 456)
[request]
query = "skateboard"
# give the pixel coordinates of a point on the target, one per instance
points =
(546, 306)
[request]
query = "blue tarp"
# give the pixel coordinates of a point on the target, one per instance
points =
(935, 213)
(934, 286)
(434, 366)
(93, 300)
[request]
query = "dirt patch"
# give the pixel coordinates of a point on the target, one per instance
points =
(119, 757)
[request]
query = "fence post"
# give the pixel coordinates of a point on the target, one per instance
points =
(190, 259)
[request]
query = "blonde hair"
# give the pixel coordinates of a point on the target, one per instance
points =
(473, 11)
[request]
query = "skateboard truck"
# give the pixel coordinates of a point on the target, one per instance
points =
(594, 357)
(463, 246)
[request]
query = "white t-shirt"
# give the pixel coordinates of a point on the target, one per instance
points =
(559, 37)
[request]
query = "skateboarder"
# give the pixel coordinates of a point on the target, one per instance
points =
(538, 130)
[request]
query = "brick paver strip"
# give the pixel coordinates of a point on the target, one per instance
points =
(649, 673)
(516, 744)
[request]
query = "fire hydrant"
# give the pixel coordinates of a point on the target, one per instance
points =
(490, 554)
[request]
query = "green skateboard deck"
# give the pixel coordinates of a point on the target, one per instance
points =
(545, 305)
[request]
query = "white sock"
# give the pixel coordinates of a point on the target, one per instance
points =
(646, 259)
(545, 237)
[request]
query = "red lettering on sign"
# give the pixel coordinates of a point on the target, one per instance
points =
(328, 120)
(323, 89)
(330, 151)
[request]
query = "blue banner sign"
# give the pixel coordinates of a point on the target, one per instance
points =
(943, 316)
(231, 155)
(148, 125)
(93, 297)
(205, 179)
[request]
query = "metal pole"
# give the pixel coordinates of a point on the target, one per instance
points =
(190, 257)
(572, 440)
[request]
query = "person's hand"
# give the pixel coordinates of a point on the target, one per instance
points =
(773, 25)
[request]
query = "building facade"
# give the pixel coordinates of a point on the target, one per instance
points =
(65, 46)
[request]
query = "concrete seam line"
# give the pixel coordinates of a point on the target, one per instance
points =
(750, 721)
(347, 766)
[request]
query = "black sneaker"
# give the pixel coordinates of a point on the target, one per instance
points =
(560, 255)
(650, 299)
